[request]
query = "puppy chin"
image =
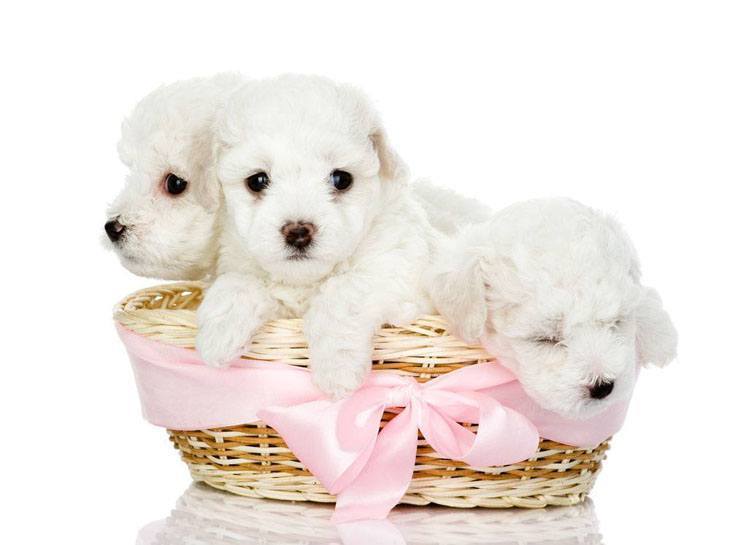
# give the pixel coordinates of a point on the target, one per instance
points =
(566, 401)
(144, 265)
(298, 269)
(585, 408)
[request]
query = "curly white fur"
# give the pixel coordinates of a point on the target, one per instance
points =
(371, 242)
(170, 131)
(554, 287)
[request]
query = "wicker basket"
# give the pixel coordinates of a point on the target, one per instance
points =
(252, 459)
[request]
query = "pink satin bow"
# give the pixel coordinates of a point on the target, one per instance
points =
(339, 441)
(369, 471)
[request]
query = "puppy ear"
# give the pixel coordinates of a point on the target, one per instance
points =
(392, 167)
(459, 294)
(656, 337)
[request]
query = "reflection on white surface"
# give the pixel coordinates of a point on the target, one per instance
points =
(204, 516)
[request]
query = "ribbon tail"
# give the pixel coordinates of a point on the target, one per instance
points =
(447, 437)
(384, 480)
(370, 532)
(504, 436)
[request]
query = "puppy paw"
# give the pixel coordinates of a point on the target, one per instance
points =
(340, 372)
(217, 346)
(221, 336)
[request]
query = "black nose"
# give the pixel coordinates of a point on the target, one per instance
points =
(601, 389)
(298, 234)
(114, 229)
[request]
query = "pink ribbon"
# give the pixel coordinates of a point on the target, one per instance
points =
(339, 441)
(370, 471)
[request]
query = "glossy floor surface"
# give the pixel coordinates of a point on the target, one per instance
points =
(206, 516)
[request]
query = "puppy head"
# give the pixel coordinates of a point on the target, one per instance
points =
(164, 221)
(305, 166)
(561, 304)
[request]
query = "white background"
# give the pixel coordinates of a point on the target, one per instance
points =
(623, 105)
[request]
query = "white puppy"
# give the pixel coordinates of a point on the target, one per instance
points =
(164, 223)
(321, 224)
(554, 286)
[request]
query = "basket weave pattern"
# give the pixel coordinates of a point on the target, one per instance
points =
(253, 460)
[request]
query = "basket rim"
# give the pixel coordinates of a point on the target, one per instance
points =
(424, 348)
(122, 307)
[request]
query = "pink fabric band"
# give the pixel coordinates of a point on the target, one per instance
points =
(338, 441)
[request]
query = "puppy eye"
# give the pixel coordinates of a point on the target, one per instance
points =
(548, 339)
(257, 182)
(341, 180)
(175, 185)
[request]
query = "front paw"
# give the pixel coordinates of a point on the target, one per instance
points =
(339, 372)
(217, 346)
(221, 338)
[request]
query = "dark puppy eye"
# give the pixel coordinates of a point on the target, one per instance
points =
(175, 185)
(341, 180)
(257, 182)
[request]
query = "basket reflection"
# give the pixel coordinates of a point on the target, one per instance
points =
(204, 516)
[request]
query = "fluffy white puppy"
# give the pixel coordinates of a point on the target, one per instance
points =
(164, 223)
(554, 287)
(321, 224)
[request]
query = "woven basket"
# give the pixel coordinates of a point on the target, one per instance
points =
(253, 460)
